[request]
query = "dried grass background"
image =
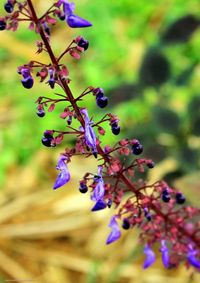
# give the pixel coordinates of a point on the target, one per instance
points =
(51, 236)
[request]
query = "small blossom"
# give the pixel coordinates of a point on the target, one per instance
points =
(64, 175)
(165, 254)
(191, 257)
(73, 20)
(115, 233)
(90, 136)
(99, 190)
(27, 80)
(150, 257)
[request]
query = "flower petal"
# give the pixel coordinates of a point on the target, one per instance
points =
(100, 204)
(62, 179)
(150, 257)
(77, 22)
(115, 234)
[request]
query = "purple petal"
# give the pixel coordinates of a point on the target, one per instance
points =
(77, 22)
(165, 254)
(98, 192)
(68, 8)
(90, 136)
(150, 257)
(64, 175)
(192, 258)
(62, 179)
(115, 234)
(100, 204)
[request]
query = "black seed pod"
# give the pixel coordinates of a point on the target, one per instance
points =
(2, 25)
(83, 43)
(137, 148)
(102, 102)
(180, 199)
(9, 7)
(125, 224)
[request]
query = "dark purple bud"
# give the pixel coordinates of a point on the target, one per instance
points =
(69, 120)
(166, 197)
(27, 82)
(2, 25)
(115, 130)
(46, 141)
(41, 113)
(180, 199)
(51, 82)
(148, 216)
(62, 17)
(102, 102)
(99, 92)
(83, 188)
(9, 7)
(125, 224)
(109, 204)
(150, 164)
(83, 43)
(165, 191)
(137, 148)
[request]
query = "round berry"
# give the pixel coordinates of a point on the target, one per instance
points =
(166, 197)
(115, 130)
(47, 141)
(165, 191)
(150, 164)
(125, 224)
(83, 188)
(9, 7)
(102, 102)
(137, 148)
(27, 82)
(2, 25)
(180, 199)
(148, 216)
(41, 113)
(83, 43)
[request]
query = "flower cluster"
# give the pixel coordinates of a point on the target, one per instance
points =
(159, 211)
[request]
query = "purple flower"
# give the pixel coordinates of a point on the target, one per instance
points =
(115, 233)
(90, 137)
(150, 257)
(165, 254)
(64, 175)
(73, 20)
(27, 80)
(191, 257)
(99, 192)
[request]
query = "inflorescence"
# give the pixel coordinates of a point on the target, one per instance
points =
(157, 209)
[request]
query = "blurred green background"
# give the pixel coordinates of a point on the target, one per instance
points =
(145, 54)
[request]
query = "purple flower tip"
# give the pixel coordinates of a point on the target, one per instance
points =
(191, 257)
(64, 175)
(100, 204)
(75, 21)
(165, 254)
(115, 233)
(150, 257)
